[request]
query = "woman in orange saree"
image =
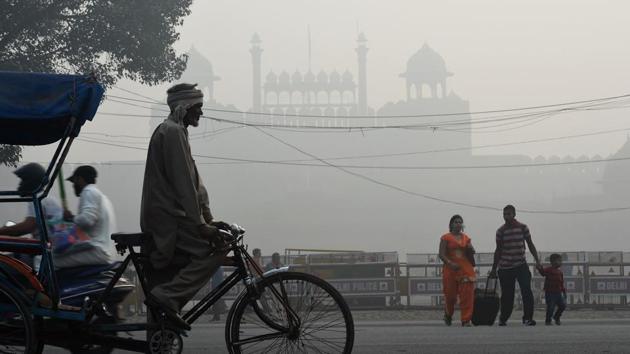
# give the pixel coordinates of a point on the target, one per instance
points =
(458, 273)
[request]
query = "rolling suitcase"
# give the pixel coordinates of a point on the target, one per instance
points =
(486, 305)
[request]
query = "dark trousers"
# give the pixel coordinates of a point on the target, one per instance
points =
(553, 301)
(508, 278)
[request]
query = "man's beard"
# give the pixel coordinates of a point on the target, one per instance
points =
(77, 190)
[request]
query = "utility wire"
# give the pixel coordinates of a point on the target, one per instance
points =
(356, 157)
(373, 167)
(151, 100)
(430, 125)
(437, 199)
(145, 138)
(429, 115)
(427, 126)
(403, 190)
(390, 116)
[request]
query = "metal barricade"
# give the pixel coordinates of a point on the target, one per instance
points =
(365, 279)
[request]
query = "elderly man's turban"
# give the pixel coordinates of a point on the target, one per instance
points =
(180, 98)
(186, 95)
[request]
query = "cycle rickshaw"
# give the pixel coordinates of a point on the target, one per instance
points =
(275, 311)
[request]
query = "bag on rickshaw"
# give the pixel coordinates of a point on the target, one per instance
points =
(64, 234)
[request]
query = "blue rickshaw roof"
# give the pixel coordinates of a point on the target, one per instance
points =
(36, 108)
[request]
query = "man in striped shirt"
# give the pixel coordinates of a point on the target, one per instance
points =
(509, 256)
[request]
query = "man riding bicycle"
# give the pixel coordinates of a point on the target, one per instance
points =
(175, 209)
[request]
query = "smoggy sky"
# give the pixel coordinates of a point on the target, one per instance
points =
(503, 54)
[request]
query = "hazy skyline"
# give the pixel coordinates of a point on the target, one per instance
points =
(502, 54)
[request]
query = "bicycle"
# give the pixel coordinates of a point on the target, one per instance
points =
(277, 310)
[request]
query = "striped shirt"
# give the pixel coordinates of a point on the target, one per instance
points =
(512, 239)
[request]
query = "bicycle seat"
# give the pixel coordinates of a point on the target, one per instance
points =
(124, 239)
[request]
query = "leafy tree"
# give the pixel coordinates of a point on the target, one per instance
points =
(10, 155)
(112, 38)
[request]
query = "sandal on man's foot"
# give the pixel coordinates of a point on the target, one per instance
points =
(172, 316)
(448, 319)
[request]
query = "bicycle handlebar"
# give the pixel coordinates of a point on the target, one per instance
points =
(237, 230)
(233, 234)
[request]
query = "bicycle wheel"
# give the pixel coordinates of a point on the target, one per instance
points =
(295, 313)
(17, 334)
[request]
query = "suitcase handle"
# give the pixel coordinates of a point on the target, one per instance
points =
(494, 290)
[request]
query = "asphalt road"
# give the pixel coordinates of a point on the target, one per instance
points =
(574, 336)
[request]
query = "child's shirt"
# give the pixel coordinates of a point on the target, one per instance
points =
(554, 280)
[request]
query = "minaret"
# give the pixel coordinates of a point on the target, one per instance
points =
(362, 57)
(309, 47)
(256, 52)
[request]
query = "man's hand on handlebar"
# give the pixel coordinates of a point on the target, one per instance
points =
(221, 225)
(214, 236)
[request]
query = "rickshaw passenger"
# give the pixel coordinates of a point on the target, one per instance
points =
(31, 176)
(175, 209)
(95, 217)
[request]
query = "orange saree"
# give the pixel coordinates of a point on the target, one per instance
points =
(458, 283)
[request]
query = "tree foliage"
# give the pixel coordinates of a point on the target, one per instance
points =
(10, 155)
(113, 39)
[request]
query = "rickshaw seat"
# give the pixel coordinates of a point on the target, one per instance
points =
(73, 273)
(124, 239)
(20, 245)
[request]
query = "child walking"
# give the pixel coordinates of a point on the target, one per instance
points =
(555, 293)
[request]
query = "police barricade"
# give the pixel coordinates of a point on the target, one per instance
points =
(424, 279)
(610, 285)
(365, 279)
(607, 276)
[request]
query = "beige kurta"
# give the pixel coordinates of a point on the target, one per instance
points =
(173, 194)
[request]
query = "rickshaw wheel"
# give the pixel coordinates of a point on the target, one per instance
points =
(166, 341)
(38, 323)
(17, 333)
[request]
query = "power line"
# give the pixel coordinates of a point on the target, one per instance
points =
(108, 135)
(372, 167)
(127, 115)
(528, 119)
(504, 110)
(109, 98)
(442, 200)
(338, 129)
(475, 147)
(403, 190)
(429, 125)
(432, 114)
(369, 156)
(139, 95)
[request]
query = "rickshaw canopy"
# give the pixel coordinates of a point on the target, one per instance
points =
(37, 108)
